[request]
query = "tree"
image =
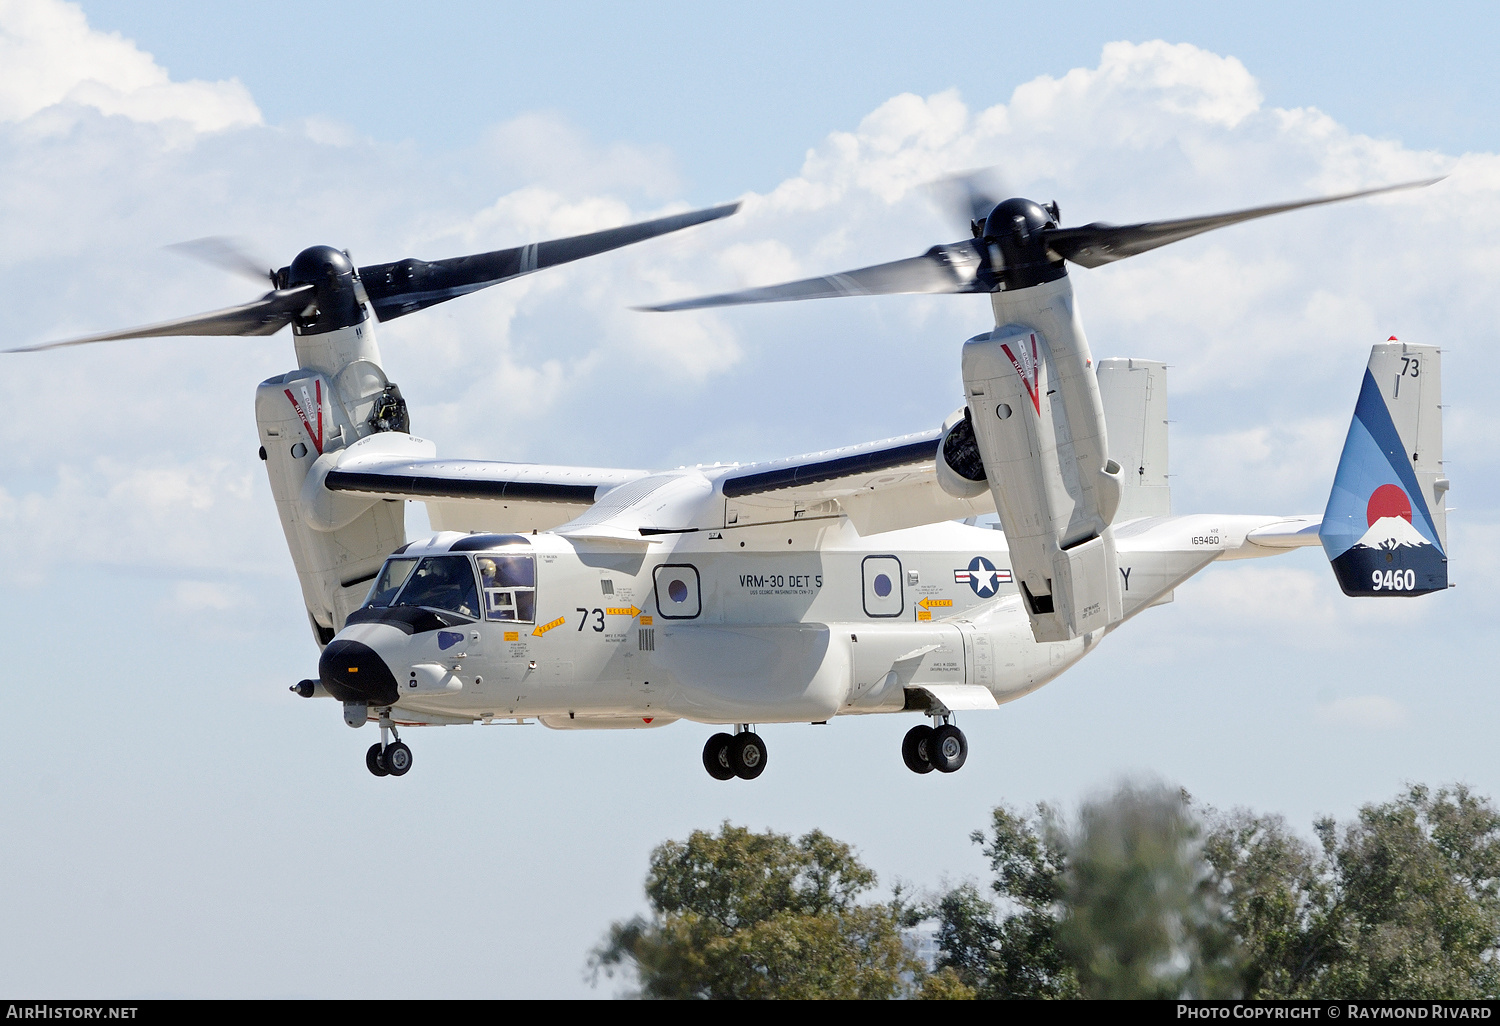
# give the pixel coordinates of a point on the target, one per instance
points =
(1140, 914)
(745, 915)
(1272, 886)
(1119, 905)
(1404, 902)
(1013, 953)
(1142, 895)
(1139, 898)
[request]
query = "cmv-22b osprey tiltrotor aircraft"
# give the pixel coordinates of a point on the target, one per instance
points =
(831, 584)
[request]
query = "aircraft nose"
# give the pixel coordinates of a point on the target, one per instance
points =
(354, 672)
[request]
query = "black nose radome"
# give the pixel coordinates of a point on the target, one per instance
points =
(352, 672)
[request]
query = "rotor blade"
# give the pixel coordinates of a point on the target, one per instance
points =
(968, 196)
(227, 254)
(408, 285)
(1091, 245)
(941, 269)
(266, 316)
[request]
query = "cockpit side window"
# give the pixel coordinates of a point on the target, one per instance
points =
(443, 582)
(392, 576)
(509, 587)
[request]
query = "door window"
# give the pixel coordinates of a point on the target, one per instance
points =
(677, 596)
(883, 589)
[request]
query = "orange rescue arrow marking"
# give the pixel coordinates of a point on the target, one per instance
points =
(630, 611)
(932, 603)
(544, 628)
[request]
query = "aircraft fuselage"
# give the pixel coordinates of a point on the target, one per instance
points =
(793, 622)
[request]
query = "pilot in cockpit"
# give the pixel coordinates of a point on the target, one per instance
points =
(445, 583)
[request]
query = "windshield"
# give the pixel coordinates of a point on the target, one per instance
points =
(392, 576)
(509, 587)
(438, 582)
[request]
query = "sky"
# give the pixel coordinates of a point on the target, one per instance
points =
(178, 825)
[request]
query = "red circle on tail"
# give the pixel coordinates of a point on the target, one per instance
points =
(1388, 501)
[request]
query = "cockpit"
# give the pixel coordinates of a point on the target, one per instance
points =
(501, 586)
(434, 582)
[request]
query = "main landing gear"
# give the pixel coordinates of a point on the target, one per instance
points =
(741, 754)
(941, 747)
(392, 759)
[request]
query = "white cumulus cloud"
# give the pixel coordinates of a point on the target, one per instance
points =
(49, 56)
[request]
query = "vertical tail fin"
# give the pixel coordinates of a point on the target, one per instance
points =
(1384, 530)
(1134, 394)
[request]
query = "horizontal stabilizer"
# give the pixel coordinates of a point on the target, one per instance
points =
(1384, 530)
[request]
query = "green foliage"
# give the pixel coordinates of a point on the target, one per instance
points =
(1402, 903)
(1120, 905)
(1271, 884)
(1140, 915)
(745, 915)
(1015, 954)
(1140, 896)
(1139, 899)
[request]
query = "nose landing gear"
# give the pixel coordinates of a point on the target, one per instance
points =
(941, 747)
(741, 754)
(392, 759)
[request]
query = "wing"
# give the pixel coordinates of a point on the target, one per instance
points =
(482, 495)
(880, 486)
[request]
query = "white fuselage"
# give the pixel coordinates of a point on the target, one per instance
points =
(784, 623)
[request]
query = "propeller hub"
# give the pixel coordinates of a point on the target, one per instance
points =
(1018, 229)
(332, 273)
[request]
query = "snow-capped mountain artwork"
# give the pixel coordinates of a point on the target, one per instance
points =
(1391, 533)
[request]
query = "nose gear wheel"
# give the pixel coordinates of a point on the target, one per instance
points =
(388, 759)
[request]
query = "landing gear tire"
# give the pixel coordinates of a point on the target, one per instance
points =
(914, 749)
(397, 759)
(375, 761)
(716, 757)
(747, 754)
(948, 748)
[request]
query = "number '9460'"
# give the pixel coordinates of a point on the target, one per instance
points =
(1394, 580)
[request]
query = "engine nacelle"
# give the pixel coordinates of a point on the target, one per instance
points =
(960, 468)
(317, 416)
(1039, 423)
